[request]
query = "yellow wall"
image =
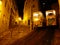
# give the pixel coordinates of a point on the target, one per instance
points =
(59, 12)
(30, 6)
(6, 13)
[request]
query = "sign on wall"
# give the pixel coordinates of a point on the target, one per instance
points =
(38, 19)
(50, 17)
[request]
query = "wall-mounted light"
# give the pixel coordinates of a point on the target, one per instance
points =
(35, 14)
(50, 11)
(35, 19)
(19, 19)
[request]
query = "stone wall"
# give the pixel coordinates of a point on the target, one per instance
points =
(6, 12)
(30, 6)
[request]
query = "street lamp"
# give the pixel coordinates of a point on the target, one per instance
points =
(18, 20)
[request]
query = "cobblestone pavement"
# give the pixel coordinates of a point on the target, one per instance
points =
(13, 34)
(44, 38)
(56, 40)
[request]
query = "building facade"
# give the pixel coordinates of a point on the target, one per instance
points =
(59, 12)
(8, 14)
(55, 7)
(30, 7)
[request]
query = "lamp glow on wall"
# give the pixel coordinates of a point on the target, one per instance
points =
(36, 19)
(0, 6)
(19, 19)
(0, 2)
(51, 11)
(35, 16)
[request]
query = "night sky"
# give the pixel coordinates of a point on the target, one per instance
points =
(44, 5)
(20, 5)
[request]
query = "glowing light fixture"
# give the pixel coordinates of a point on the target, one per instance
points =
(35, 14)
(50, 11)
(36, 19)
(19, 19)
(54, 12)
